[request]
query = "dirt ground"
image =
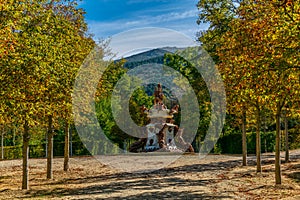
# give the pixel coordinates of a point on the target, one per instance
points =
(212, 177)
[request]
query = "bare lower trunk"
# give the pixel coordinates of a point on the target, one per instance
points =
(287, 155)
(67, 147)
(244, 139)
(71, 146)
(2, 147)
(25, 153)
(49, 149)
(277, 148)
(258, 143)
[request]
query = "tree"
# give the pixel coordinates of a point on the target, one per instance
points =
(21, 89)
(274, 54)
(45, 37)
(256, 46)
(219, 15)
(199, 86)
(68, 46)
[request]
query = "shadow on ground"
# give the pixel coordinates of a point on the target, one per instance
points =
(295, 176)
(174, 195)
(157, 180)
(151, 185)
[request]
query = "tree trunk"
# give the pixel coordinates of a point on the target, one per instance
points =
(265, 141)
(25, 153)
(277, 147)
(287, 154)
(2, 147)
(71, 146)
(67, 147)
(265, 131)
(244, 138)
(46, 146)
(258, 142)
(50, 148)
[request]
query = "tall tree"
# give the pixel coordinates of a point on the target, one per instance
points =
(219, 15)
(256, 46)
(46, 46)
(20, 87)
(64, 31)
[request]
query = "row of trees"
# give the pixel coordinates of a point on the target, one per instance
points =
(43, 44)
(255, 44)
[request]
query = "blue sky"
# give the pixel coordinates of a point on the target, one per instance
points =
(106, 18)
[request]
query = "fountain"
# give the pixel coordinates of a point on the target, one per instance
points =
(162, 134)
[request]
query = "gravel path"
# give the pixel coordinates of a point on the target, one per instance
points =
(186, 177)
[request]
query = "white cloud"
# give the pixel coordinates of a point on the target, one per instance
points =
(173, 16)
(137, 40)
(164, 20)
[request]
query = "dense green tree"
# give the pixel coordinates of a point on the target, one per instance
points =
(37, 71)
(199, 86)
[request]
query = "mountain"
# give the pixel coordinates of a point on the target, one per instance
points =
(151, 56)
(148, 57)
